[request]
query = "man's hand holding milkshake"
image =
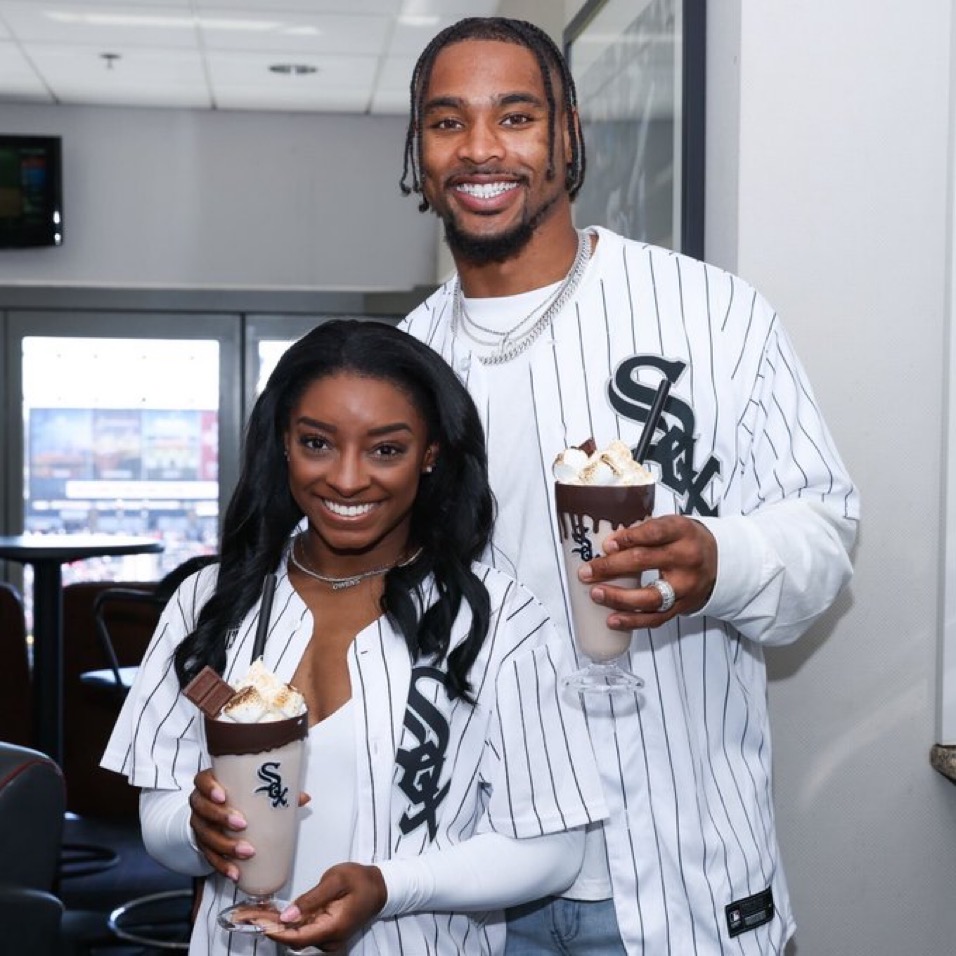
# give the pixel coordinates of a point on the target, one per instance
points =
(604, 501)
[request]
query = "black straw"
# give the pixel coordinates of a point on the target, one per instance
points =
(265, 612)
(639, 451)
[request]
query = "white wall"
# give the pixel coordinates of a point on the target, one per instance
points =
(837, 211)
(185, 198)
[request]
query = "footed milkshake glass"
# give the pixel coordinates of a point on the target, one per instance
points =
(586, 515)
(260, 768)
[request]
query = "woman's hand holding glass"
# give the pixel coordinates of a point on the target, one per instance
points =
(348, 896)
(217, 827)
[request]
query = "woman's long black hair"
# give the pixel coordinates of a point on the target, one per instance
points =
(451, 518)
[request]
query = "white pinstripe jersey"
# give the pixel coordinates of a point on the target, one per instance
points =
(741, 446)
(518, 762)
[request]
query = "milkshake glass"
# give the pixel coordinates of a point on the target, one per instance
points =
(260, 768)
(586, 515)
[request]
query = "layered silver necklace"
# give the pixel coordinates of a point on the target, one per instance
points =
(339, 584)
(509, 344)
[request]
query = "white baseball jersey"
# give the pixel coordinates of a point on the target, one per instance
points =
(742, 447)
(430, 772)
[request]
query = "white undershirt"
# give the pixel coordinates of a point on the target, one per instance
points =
(328, 820)
(499, 315)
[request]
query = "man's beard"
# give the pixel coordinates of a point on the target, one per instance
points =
(482, 250)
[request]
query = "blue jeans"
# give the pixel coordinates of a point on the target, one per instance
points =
(569, 927)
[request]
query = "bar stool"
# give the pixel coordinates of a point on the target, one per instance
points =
(158, 921)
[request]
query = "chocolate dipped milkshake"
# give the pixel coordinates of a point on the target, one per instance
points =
(595, 493)
(256, 736)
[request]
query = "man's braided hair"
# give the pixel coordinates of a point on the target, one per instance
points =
(549, 58)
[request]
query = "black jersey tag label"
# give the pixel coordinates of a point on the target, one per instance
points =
(749, 913)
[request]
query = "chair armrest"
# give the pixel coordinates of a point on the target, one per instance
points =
(31, 921)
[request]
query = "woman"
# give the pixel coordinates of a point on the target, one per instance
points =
(441, 761)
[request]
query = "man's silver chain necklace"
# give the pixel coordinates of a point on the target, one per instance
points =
(512, 342)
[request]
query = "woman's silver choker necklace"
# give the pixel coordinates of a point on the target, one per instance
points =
(339, 584)
(512, 342)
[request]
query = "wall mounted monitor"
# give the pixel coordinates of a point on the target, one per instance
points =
(31, 201)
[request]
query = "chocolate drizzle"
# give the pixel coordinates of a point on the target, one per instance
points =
(617, 505)
(225, 737)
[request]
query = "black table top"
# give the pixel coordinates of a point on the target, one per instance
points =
(30, 548)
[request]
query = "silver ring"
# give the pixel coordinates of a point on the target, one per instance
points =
(668, 597)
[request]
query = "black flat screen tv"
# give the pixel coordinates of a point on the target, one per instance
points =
(31, 200)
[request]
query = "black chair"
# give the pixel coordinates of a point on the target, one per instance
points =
(158, 921)
(109, 605)
(32, 805)
(16, 691)
(117, 605)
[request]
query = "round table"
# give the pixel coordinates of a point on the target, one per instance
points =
(47, 554)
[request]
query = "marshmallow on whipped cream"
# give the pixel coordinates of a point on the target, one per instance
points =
(262, 698)
(614, 465)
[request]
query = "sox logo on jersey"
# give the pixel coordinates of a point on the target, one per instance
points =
(422, 765)
(674, 451)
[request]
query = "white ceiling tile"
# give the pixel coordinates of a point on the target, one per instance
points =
(312, 7)
(88, 4)
(416, 12)
(390, 102)
(253, 68)
(104, 26)
(17, 76)
(292, 33)
(74, 73)
(339, 83)
(396, 72)
(170, 49)
(333, 101)
(169, 96)
(409, 38)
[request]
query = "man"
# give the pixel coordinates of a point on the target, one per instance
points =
(563, 335)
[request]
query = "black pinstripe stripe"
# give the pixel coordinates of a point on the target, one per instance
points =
(544, 470)
(711, 364)
(625, 801)
(568, 763)
(678, 648)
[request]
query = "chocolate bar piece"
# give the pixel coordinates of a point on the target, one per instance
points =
(209, 692)
(589, 447)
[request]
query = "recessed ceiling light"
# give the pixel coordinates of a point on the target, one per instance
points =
(292, 69)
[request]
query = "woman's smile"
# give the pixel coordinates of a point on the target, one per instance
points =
(349, 510)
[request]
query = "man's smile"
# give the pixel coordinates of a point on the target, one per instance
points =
(485, 190)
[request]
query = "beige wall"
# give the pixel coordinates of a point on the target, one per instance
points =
(835, 207)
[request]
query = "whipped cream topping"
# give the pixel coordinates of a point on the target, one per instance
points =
(613, 465)
(261, 697)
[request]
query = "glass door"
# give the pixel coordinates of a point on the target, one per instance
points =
(125, 424)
